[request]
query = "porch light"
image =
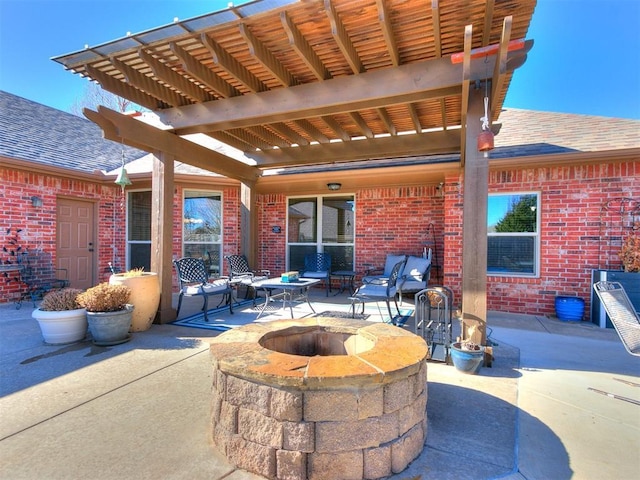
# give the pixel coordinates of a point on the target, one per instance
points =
(36, 202)
(333, 186)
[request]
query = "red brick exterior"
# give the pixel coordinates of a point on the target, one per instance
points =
(388, 220)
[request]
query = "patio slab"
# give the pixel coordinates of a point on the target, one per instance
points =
(140, 410)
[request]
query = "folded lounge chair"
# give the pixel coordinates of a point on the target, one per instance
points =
(625, 319)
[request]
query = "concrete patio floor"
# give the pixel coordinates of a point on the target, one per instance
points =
(140, 410)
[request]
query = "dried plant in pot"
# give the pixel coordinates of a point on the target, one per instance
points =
(630, 253)
(108, 313)
(61, 318)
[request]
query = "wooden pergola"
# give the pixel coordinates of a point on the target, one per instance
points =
(292, 83)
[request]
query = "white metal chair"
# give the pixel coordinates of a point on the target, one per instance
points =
(625, 319)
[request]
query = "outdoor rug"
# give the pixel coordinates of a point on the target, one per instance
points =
(220, 319)
(244, 313)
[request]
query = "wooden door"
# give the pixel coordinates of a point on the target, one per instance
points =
(75, 241)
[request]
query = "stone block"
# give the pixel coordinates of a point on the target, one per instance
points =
(345, 436)
(298, 436)
(248, 394)
(291, 465)
(228, 420)
(377, 462)
(398, 394)
(407, 449)
(412, 414)
(260, 429)
(330, 406)
(335, 466)
(286, 405)
(252, 457)
(370, 403)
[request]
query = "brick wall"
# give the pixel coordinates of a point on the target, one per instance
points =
(388, 220)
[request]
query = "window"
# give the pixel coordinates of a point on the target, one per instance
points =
(321, 224)
(139, 230)
(202, 227)
(513, 226)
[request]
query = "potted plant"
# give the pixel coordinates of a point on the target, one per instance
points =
(467, 356)
(108, 313)
(630, 253)
(145, 295)
(61, 319)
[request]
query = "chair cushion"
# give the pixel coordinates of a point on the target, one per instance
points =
(415, 268)
(218, 286)
(391, 262)
(375, 290)
(315, 275)
(413, 285)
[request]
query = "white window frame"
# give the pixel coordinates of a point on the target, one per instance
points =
(535, 235)
(320, 245)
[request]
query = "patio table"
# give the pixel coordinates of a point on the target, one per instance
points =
(292, 292)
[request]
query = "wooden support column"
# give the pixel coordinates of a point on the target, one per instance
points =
(162, 185)
(248, 223)
(474, 227)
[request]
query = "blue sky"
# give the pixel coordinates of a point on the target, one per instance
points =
(586, 56)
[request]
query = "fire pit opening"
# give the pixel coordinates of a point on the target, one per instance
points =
(317, 340)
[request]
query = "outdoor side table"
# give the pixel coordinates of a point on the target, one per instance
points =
(346, 280)
(291, 292)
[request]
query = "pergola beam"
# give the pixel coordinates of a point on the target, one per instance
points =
(379, 88)
(441, 142)
(150, 138)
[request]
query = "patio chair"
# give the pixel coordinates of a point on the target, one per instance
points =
(625, 319)
(415, 275)
(193, 280)
(383, 273)
(318, 265)
(239, 270)
(378, 290)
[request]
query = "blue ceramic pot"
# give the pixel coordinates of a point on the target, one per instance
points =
(569, 308)
(467, 361)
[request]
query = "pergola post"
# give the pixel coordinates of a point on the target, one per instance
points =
(248, 222)
(162, 180)
(474, 227)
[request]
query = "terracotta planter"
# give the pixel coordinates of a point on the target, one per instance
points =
(62, 327)
(110, 328)
(145, 297)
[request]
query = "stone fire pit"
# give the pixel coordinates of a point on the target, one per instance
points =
(319, 398)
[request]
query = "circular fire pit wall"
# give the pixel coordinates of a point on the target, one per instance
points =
(319, 398)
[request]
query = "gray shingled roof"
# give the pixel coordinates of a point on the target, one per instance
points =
(35, 132)
(31, 131)
(530, 132)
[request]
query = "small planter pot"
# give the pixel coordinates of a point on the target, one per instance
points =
(145, 297)
(569, 309)
(62, 327)
(110, 328)
(467, 361)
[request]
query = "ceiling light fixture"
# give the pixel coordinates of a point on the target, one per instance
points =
(333, 186)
